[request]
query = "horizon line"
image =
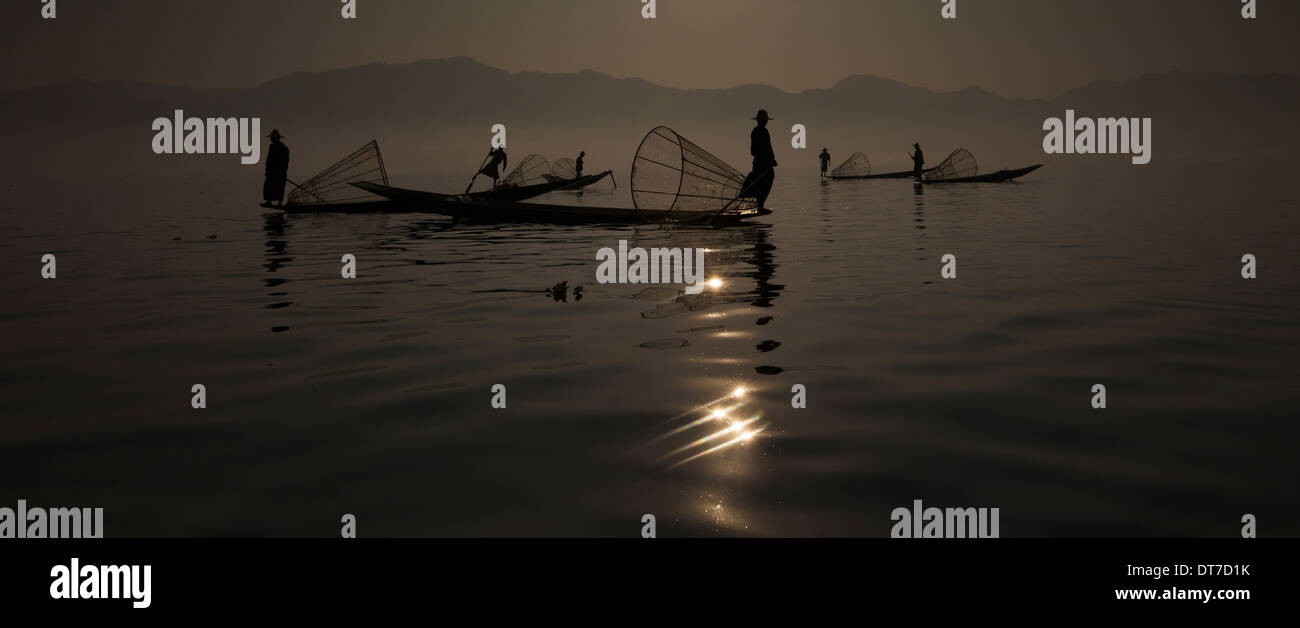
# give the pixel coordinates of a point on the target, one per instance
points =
(627, 78)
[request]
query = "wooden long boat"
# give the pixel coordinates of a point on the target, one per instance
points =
(513, 194)
(578, 183)
(902, 174)
(994, 177)
(523, 193)
(496, 210)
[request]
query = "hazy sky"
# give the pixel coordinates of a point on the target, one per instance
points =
(1018, 48)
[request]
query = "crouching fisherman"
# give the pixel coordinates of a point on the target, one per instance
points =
(277, 171)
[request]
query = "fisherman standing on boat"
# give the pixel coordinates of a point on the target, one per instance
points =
(581, 154)
(497, 157)
(918, 161)
(759, 182)
(826, 161)
(277, 171)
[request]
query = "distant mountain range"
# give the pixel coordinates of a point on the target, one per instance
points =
(442, 110)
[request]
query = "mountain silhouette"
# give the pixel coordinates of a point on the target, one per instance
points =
(439, 112)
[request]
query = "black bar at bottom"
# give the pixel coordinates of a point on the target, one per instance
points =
(326, 576)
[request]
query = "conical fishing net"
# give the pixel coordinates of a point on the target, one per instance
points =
(857, 166)
(529, 171)
(959, 164)
(333, 185)
(564, 168)
(670, 174)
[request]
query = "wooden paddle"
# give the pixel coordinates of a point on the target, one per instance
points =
(745, 187)
(475, 177)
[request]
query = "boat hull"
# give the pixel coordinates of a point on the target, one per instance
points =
(902, 174)
(384, 205)
(501, 211)
(995, 177)
(578, 183)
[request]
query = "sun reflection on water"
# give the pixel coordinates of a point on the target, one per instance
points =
(725, 422)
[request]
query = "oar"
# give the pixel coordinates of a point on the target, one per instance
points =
(475, 177)
(741, 193)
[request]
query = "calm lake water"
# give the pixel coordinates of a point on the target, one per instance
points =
(371, 396)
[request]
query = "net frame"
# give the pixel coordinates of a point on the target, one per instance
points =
(564, 168)
(333, 185)
(530, 171)
(698, 186)
(857, 165)
(959, 165)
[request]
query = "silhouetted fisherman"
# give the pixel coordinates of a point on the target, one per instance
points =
(826, 161)
(277, 171)
(918, 161)
(759, 182)
(579, 166)
(497, 158)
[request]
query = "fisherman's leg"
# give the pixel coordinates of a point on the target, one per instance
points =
(764, 188)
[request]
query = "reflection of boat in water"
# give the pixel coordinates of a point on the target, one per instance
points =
(735, 320)
(731, 313)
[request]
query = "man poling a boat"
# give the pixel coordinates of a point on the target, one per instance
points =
(759, 182)
(918, 161)
(826, 161)
(496, 163)
(277, 171)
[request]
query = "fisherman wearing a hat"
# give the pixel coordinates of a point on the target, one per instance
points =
(826, 161)
(277, 171)
(918, 161)
(759, 182)
(497, 160)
